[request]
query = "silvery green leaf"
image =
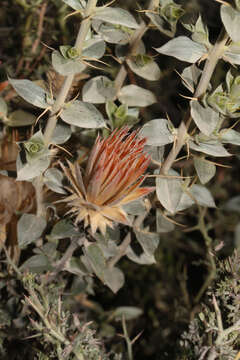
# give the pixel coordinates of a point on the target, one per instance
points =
(110, 33)
(32, 169)
(61, 134)
(190, 77)
(233, 204)
(31, 92)
(169, 191)
(83, 115)
(196, 194)
(142, 259)
(205, 169)
(37, 264)
(163, 225)
(148, 241)
(213, 148)
(134, 95)
(135, 207)
(116, 16)
(76, 4)
(231, 20)
(232, 57)
(128, 312)
(95, 256)
(53, 180)
(157, 132)
(94, 48)
(20, 118)
(156, 152)
(114, 279)
(183, 49)
(63, 229)
(75, 266)
(29, 229)
(149, 71)
(230, 136)
(160, 23)
(98, 90)
(3, 107)
(66, 66)
(205, 118)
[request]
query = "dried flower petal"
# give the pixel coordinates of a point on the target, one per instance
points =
(112, 178)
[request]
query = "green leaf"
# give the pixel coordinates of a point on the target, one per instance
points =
(157, 132)
(190, 77)
(205, 169)
(98, 90)
(231, 20)
(198, 194)
(163, 225)
(169, 191)
(61, 134)
(148, 241)
(148, 71)
(20, 118)
(135, 207)
(63, 229)
(96, 258)
(94, 48)
(32, 169)
(29, 229)
(183, 49)
(205, 118)
(83, 115)
(66, 67)
(37, 264)
(128, 312)
(213, 148)
(76, 4)
(53, 180)
(31, 92)
(143, 259)
(230, 136)
(111, 33)
(134, 95)
(116, 16)
(114, 279)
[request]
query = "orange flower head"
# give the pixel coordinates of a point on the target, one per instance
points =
(112, 178)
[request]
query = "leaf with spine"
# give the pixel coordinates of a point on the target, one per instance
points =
(116, 16)
(63, 229)
(149, 71)
(213, 148)
(82, 114)
(61, 134)
(148, 241)
(190, 77)
(142, 259)
(31, 92)
(134, 95)
(183, 49)
(160, 23)
(53, 180)
(231, 20)
(169, 191)
(128, 312)
(110, 33)
(157, 132)
(229, 136)
(37, 264)
(76, 4)
(205, 169)
(163, 225)
(205, 118)
(20, 118)
(114, 279)
(66, 67)
(3, 108)
(196, 194)
(29, 229)
(32, 169)
(98, 90)
(95, 257)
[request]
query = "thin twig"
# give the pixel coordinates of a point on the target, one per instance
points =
(40, 28)
(121, 251)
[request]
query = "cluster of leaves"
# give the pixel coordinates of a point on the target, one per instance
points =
(106, 103)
